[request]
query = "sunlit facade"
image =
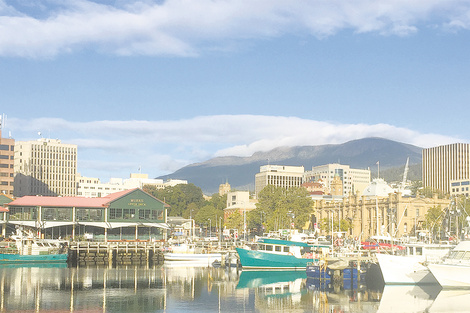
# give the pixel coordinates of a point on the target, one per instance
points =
(45, 167)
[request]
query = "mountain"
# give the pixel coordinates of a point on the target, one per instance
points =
(240, 172)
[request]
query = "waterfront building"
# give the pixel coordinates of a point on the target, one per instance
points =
(278, 176)
(444, 164)
(7, 154)
(239, 201)
(45, 167)
(130, 214)
(353, 180)
(391, 215)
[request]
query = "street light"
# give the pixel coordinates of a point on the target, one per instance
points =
(210, 227)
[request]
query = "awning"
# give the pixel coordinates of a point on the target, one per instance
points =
(25, 223)
(49, 224)
(95, 224)
(159, 225)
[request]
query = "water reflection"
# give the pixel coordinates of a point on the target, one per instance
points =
(193, 289)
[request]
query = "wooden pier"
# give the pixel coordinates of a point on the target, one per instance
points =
(115, 253)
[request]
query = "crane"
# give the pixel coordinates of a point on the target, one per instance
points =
(405, 174)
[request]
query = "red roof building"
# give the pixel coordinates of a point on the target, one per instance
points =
(129, 213)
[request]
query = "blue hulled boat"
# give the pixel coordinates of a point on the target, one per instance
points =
(269, 253)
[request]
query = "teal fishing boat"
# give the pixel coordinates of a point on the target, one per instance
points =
(32, 259)
(268, 253)
(28, 249)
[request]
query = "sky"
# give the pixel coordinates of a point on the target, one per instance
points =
(158, 85)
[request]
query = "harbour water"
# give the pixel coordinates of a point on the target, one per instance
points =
(176, 288)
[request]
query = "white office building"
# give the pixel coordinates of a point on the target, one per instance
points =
(354, 180)
(45, 167)
(279, 176)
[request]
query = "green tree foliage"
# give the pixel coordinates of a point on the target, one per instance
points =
(178, 197)
(433, 219)
(217, 201)
(208, 215)
(325, 225)
(280, 207)
(235, 221)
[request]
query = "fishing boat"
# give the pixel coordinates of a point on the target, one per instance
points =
(454, 270)
(28, 249)
(410, 267)
(272, 253)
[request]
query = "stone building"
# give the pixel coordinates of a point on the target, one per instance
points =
(395, 214)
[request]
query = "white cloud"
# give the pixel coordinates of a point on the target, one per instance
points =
(161, 147)
(186, 27)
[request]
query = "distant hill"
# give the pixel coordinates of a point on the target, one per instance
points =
(361, 154)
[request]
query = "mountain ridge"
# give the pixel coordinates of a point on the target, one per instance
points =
(240, 171)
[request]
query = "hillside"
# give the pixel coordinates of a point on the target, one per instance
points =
(362, 154)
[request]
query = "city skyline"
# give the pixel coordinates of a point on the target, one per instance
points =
(158, 85)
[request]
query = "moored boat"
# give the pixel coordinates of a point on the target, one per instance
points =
(28, 249)
(410, 268)
(269, 253)
(454, 270)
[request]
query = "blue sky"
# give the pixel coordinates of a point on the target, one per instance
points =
(163, 84)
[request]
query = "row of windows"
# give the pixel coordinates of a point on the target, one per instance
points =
(460, 189)
(65, 214)
(6, 157)
(7, 148)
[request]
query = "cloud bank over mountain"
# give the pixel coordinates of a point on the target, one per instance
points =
(117, 148)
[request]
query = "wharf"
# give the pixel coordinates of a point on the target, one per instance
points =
(115, 253)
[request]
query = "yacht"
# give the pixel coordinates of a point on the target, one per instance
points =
(454, 270)
(410, 267)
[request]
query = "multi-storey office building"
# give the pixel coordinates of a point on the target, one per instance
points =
(45, 167)
(279, 176)
(7, 154)
(354, 180)
(446, 163)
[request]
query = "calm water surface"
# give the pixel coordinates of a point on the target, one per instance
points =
(200, 289)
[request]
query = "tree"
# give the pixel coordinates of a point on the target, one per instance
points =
(178, 197)
(433, 219)
(206, 213)
(235, 221)
(282, 207)
(217, 201)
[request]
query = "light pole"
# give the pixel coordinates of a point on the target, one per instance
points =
(210, 227)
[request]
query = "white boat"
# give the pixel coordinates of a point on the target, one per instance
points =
(411, 268)
(454, 270)
(189, 255)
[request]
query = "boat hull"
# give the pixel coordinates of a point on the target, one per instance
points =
(199, 258)
(451, 276)
(404, 270)
(255, 259)
(28, 259)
